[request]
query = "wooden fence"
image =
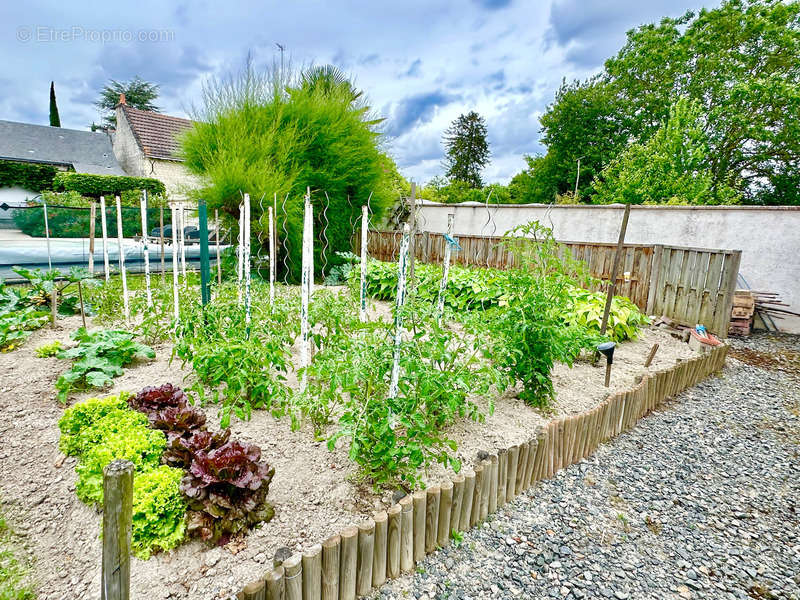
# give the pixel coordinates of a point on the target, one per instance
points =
(689, 285)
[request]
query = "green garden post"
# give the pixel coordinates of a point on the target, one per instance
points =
(205, 270)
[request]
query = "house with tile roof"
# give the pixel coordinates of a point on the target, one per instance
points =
(146, 145)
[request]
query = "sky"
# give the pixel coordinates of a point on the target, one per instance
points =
(421, 63)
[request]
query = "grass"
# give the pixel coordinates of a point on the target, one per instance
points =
(14, 584)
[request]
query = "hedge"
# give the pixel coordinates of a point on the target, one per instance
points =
(74, 222)
(29, 176)
(105, 185)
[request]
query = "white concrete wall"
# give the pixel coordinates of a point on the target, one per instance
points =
(769, 237)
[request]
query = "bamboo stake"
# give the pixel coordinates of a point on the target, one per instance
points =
(330, 568)
(493, 484)
(502, 477)
(434, 494)
(293, 573)
(312, 573)
(399, 302)
(276, 589)
(393, 542)
(407, 534)
(348, 563)
(419, 525)
(363, 283)
(445, 508)
(104, 232)
(466, 501)
(379, 554)
(511, 480)
(92, 217)
(145, 249)
(366, 551)
(125, 305)
(458, 500)
(477, 495)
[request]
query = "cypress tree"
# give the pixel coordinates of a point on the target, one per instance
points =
(55, 121)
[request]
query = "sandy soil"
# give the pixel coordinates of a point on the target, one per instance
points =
(313, 490)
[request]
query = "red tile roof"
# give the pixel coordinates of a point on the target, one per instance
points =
(157, 134)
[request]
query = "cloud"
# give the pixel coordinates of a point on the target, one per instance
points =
(414, 69)
(417, 109)
(493, 4)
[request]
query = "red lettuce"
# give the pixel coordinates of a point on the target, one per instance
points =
(181, 450)
(227, 490)
(154, 399)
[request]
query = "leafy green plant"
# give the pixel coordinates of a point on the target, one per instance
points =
(159, 511)
(98, 358)
(131, 440)
(82, 416)
(339, 273)
(585, 308)
(16, 326)
(49, 350)
(14, 578)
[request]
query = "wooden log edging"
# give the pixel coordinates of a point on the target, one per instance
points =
(362, 558)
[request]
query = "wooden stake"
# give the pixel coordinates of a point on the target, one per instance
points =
(466, 502)
(393, 542)
(276, 588)
(419, 525)
(399, 302)
(255, 590)
(502, 477)
(445, 267)
(312, 573)
(363, 283)
(651, 355)
(145, 248)
(434, 494)
(486, 485)
(293, 573)
(407, 534)
(511, 479)
(477, 495)
(330, 568)
(493, 484)
(615, 269)
(307, 275)
(379, 554)
(348, 563)
(80, 299)
(161, 242)
(445, 508)
(175, 295)
(272, 257)
(240, 255)
(366, 551)
(115, 582)
(53, 306)
(458, 500)
(216, 243)
(522, 460)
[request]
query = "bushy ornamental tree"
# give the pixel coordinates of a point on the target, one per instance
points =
(670, 167)
(261, 133)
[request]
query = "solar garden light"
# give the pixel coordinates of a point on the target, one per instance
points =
(607, 349)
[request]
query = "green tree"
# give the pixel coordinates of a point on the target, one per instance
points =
(670, 167)
(467, 149)
(263, 134)
(139, 94)
(740, 62)
(55, 120)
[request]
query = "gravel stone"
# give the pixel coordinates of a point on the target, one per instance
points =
(701, 500)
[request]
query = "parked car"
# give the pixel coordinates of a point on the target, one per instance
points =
(191, 234)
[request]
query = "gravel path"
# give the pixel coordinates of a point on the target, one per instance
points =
(700, 500)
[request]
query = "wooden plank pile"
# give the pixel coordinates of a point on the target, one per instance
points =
(742, 313)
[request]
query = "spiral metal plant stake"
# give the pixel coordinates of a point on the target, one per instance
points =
(364, 241)
(287, 256)
(324, 235)
(399, 302)
(260, 235)
(450, 245)
(489, 220)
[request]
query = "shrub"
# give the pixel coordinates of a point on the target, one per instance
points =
(132, 441)
(159, 511)
(105, 185)
(28, 176)
(84, 415)
(227, 490)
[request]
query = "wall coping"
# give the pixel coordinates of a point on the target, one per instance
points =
(428, 203)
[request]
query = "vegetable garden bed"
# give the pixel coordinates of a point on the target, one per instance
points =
(315, 490)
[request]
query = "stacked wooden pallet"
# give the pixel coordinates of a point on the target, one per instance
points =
(744, 306)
